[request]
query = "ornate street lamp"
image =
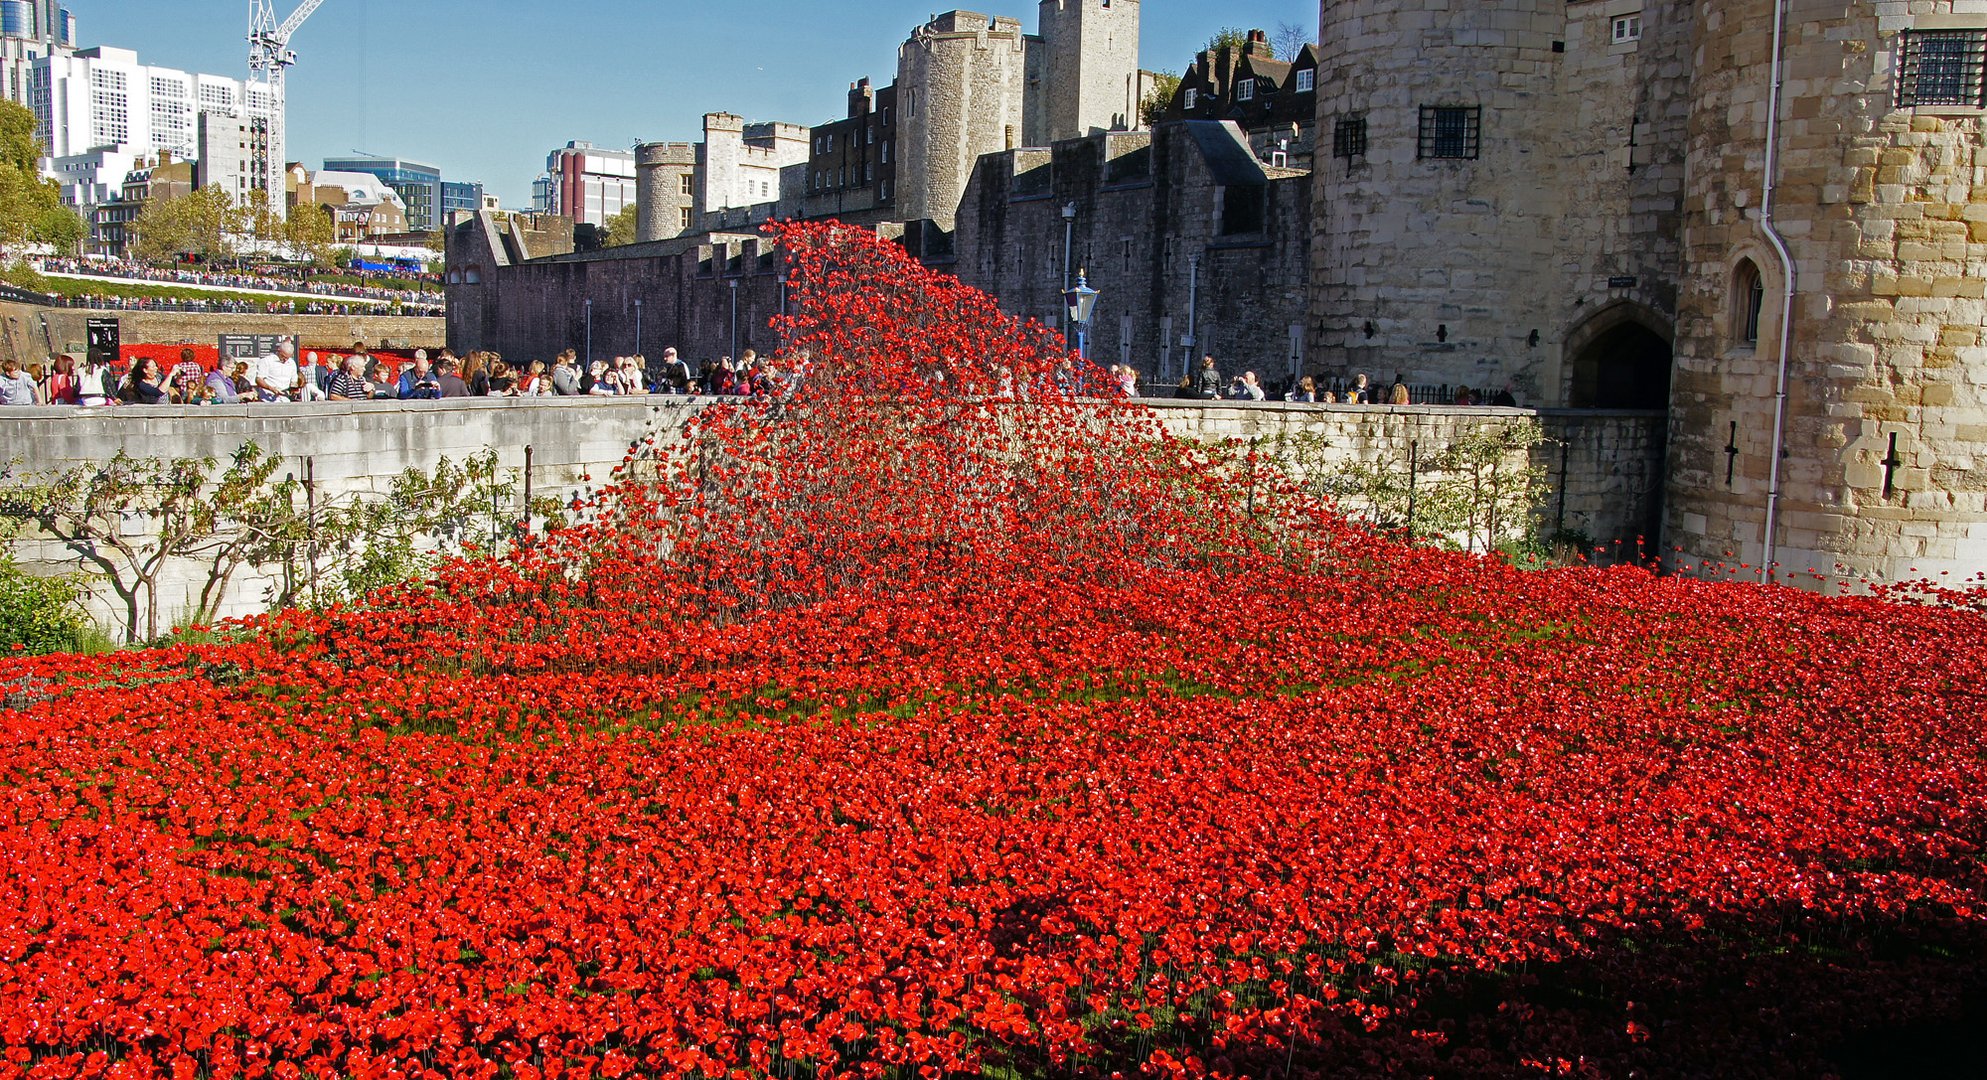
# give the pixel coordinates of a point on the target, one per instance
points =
(1080, 302)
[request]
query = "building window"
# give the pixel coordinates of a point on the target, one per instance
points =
(1245, 90)
(1192, 99)
(1450, 132)
(686, 217)
(1748, 300)
(689, 184)
(886, 151)
(1942, 67)
(1307, 81)
(1627, 28)
(1349, 137)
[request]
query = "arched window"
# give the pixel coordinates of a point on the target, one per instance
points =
(1748, 300)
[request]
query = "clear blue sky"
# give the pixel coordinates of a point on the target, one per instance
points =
(486, 88)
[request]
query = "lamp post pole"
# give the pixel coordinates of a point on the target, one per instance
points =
(783, 309)
(589, 333)
(734, 319)
(1068, 248)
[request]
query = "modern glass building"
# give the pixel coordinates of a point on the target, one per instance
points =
(420, 186)
(460, 196)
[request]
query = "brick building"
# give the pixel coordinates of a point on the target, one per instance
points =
(1274, 100)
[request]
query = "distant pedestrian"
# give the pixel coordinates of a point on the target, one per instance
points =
(16, 386)
(1246, 388)
(675, 373)
(144, 384)
(418, 382)
(1306, 392)
(448, 379)
(276, 374)
(1207, 382)
(1360, 392)
(189, 379)
(63, 386)
(99, 385)
(350, 384)
(566, 374)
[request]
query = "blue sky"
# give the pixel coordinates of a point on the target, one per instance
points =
(486, 88)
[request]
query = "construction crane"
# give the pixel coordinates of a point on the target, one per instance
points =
(269, 61)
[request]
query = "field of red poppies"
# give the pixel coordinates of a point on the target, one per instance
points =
(936, 723)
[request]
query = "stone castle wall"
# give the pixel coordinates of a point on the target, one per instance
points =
(1090, 67)
(1607, 469)
(1885, 211)
(1149, 229)
(1484, 269)
(30, 333)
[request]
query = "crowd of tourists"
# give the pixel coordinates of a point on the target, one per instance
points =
(377, 286)
(1207, 384)
(361, 375)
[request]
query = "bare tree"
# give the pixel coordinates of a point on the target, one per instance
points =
(1290, 39)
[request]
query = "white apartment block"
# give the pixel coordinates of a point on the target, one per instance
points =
(97, 110)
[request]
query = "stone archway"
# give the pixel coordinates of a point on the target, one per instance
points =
(1619, 361)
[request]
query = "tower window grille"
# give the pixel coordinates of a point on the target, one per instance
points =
(1453, 132)
(1349, 137)
(1943, 67)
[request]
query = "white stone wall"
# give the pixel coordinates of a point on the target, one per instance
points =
(1610, 468)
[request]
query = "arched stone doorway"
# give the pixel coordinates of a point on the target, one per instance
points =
(1623, 366)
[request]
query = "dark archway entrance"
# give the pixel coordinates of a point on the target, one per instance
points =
(1625, 367)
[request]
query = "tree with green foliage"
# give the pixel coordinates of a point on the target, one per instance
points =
(623, 228)
(1159, 98)
(31, 210)
(130, 520)
(309, 231)
(1231, 37)
(203, 223)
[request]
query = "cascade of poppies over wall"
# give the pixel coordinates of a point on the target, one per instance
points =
(947, 719)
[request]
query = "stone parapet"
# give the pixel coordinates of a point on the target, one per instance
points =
(1606, 471)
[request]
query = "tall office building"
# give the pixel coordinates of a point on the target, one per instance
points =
(100, 111)
(586, 183)
(30, 30)
(429, 198)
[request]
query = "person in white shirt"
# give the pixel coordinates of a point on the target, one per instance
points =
(276, 377)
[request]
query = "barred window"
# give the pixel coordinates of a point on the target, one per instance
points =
(1349, 137)
(1450, 132)
(1942, 67)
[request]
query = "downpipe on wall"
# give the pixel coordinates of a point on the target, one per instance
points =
(1787, 276)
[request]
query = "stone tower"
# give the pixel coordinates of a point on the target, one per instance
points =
(962, 82)
(666, 189)
(1502, 196)
(1088, 72)
(1879, 202)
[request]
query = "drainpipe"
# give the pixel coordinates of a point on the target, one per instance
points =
(1787, 272)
